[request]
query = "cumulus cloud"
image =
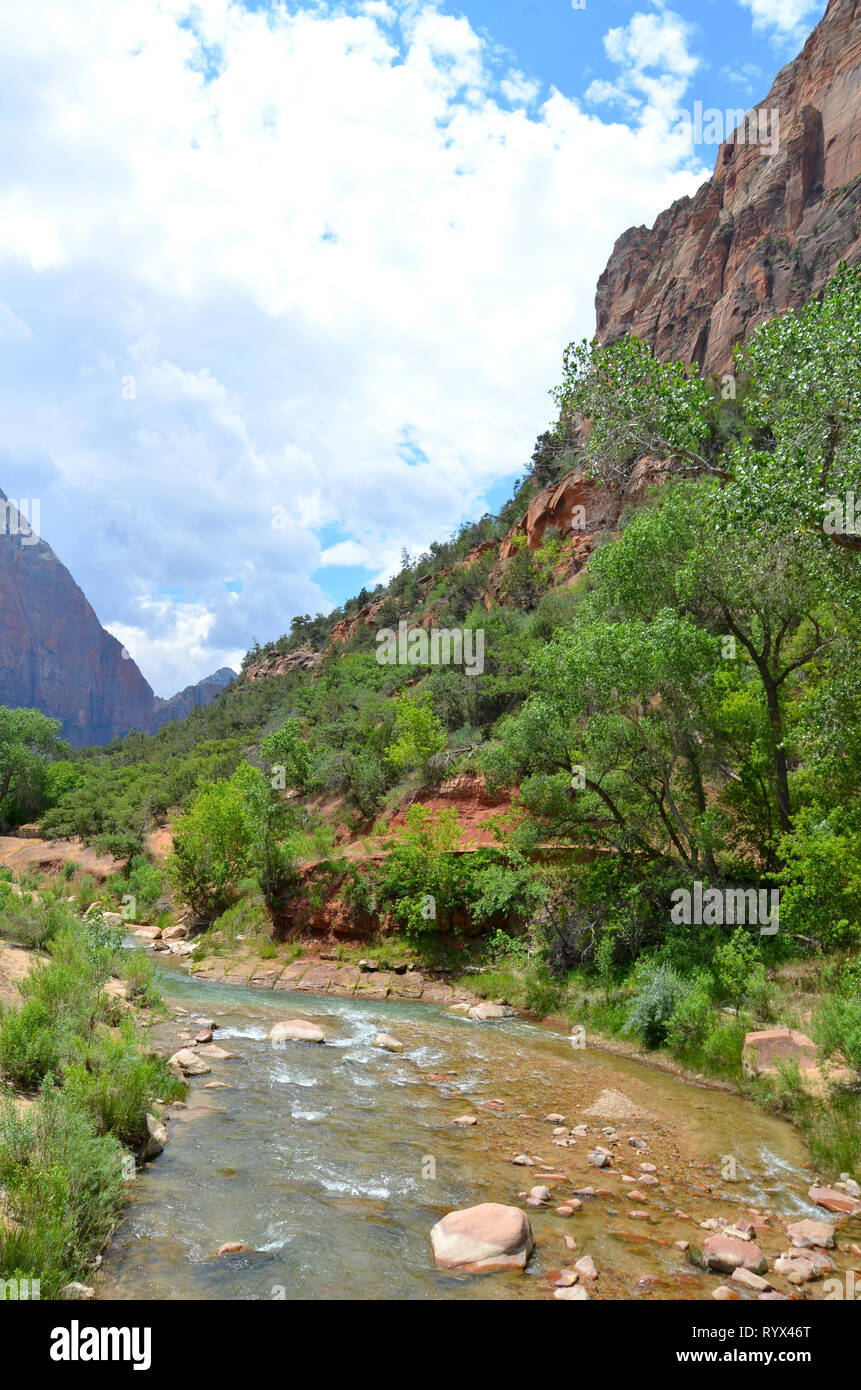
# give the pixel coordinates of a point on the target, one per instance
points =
(653, 53)
(269, 272)
(786, 21)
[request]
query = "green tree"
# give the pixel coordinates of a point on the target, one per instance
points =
(419, 733)
(28, 740)
(212, 846)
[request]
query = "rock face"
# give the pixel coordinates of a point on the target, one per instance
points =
(192, 697)
(483, 1238)
(55, 655)
(766, 231)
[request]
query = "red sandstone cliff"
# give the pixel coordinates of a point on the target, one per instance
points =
(766, 231)
(54, 653)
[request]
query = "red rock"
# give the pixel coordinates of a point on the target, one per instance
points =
(764, 1052)
(486, 1237)
(233, 1247)
(811, 1233)
(639, 1215)
(832, 1200)
(585, 1267)
(571, 1243)
(709, 270)
(725, 1253)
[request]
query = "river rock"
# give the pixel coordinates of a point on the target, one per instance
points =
(75, 1291)
(465, 1120)
(175, 933)
(801, 1268)
(725, 1253)
(585, 1267)
(538, 1196)
(805, 1233)
(296, 1030)
(487, 1237)
(189, 1063)
(147, 933)
(218, 1054)
(232, 1247)
(749, 1280)
(832, 1200)
(487, 1012)
(577, 1294)
(388, 1043)
(156, 1137)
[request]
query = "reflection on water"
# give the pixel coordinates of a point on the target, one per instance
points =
(317, 1157)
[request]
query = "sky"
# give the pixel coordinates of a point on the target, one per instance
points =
(284, 287)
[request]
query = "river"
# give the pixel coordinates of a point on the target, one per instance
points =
(331, 1163)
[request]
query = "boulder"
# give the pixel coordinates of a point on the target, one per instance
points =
(807, 1233)
(764, 1051)
(487, 1012)
(179, 932)
(189, 1063)
(832, 1200)
(156, 1137)
(801, 1268)
(147, 933)
(577, 1294)
(388, 1043)
(76, 1291)
(296, 1030)
(726, 1253)
(478, 1239)
(218, 1054)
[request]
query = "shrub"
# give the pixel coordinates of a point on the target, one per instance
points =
(690, 1020)
(30, 1045)
(62, 1184)
(659, 993)
(115, 1084)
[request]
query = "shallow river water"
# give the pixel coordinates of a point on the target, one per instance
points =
(333, 1162)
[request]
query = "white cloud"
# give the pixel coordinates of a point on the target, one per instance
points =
(257, 251)
(787, 21)
(654, 54)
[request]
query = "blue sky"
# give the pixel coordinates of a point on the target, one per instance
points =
(283, 288)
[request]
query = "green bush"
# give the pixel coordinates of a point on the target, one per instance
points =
(689, 1023)
(115, 1084)
(62, 1188)
(31, 1046)
(660, 990)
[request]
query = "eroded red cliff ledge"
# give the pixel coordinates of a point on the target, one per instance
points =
(765, 232)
